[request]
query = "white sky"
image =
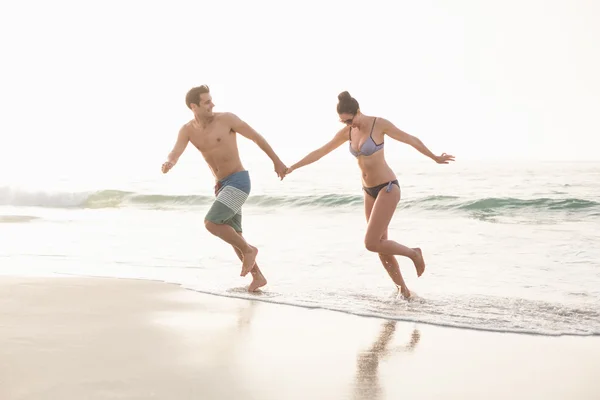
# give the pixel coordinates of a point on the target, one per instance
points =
(92, 84)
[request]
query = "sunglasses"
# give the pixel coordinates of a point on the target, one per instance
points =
(348, 121)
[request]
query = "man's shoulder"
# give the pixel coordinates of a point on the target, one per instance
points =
(186, 127)
(226, 116)
(228, 120)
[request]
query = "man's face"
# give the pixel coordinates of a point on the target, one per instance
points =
(205, 107)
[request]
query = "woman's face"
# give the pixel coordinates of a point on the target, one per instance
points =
(347, 119)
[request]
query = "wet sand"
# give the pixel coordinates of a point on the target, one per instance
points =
(96, 338)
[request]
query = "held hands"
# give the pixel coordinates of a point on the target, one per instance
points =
(444, 158)
(280, 169)
(287, 172)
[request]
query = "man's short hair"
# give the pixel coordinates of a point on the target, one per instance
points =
(193, 95)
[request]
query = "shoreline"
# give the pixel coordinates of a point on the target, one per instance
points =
(105, 338)
(256, 296)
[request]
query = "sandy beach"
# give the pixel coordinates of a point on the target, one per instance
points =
(95, 338)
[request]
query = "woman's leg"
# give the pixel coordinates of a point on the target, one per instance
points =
(389, 262)
(381, 215)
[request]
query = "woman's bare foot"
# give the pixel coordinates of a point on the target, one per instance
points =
(258, 281)
(249, 260)
(419, 261)
(404, 291)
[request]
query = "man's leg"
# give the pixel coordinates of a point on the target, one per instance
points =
(229, 235)
(224, 217)
(258, 279)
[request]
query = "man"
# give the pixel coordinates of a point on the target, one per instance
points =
(214, 134)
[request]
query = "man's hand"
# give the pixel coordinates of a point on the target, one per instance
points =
(280, 169)
(444, 158)
(166, 167)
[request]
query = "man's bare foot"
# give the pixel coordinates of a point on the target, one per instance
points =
(249, 260)
(258, 281)
(419, 261)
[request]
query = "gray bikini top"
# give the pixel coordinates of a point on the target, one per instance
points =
(369, 146)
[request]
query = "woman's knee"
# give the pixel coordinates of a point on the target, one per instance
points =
(372, 244)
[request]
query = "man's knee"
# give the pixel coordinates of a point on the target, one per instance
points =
(211, 226)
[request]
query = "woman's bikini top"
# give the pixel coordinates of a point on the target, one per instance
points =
(369, 147)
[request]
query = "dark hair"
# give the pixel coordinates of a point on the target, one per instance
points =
(347, 104)
(193, 95)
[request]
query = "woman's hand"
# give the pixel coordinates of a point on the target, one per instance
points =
(288, 171)
(444, 158)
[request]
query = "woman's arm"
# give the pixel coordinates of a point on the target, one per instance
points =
(337, 141)
(392, 131)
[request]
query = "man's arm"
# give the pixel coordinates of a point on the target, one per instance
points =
(180, 145)
(337, 141)
(241, 127)
(392, 131)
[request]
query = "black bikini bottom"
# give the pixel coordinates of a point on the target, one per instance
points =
(374, 191)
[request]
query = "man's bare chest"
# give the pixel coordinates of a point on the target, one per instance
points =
(211, 139)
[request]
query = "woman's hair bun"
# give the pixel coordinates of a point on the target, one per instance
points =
(344, 96)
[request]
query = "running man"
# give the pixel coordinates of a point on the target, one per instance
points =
(214, 135)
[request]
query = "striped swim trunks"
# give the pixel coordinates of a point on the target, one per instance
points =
(232, 192)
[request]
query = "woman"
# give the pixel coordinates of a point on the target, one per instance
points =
(365, 135)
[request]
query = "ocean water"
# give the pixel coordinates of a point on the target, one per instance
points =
(509, 246)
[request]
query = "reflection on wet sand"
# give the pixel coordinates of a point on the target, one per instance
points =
(245, 316)
(367, 364)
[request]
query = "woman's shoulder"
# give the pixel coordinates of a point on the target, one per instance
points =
(383, 124)
(345, 131)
